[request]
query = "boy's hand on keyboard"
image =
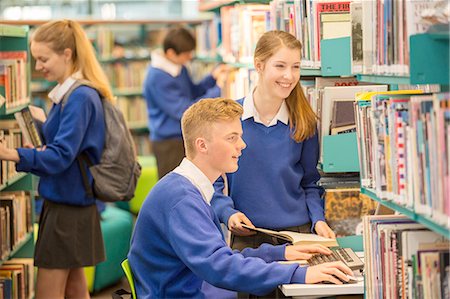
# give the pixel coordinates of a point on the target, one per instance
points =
(304, 252)
(334, 272)
(322, 229)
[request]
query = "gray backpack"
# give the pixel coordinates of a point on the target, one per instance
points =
(116, 176)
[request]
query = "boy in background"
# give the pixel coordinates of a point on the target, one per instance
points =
(169, 91)
(178, 250)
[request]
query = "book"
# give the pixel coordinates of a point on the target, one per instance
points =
(295, 237)
(31, 119)
(343, 113)
(343, 130)
(332, 19)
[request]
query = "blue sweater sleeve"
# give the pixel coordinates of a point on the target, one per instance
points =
(313, 192)
(208, 256)
(168, 97)
(60, 153)
(222, 205)
(267, 252)
(206, 88)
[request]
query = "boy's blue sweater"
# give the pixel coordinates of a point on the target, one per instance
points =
(168, 97)
(177, 244)
(79, 128)
(276, 183)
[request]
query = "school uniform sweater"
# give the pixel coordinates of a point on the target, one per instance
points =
(80, 127)
(177, 245)
(168, 94)
(276, 183)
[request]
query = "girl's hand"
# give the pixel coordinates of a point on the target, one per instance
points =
(304, 252)
(235, 224)
(8, 154)
(322, 229)
(28, 145)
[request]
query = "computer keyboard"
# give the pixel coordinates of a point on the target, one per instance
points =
(346, 255)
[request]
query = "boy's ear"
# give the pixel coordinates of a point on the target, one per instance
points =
(200, 145)
(171, 52)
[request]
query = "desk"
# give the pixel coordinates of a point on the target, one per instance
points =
(301, 290)
(321, 289)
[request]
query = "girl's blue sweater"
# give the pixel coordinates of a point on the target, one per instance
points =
(80, 127)
(276, 183)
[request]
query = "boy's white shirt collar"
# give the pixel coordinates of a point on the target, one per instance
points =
(58, 92)
(159, 61)
(250, 111)
(197, 178)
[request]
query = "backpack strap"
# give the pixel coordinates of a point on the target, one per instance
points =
(74, 86)
(82, 158)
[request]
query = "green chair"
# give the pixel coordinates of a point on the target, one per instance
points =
(117, 227)
(127, 269)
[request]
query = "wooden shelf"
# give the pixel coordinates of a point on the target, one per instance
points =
(215, 5)
(12, 31)
(117, 21)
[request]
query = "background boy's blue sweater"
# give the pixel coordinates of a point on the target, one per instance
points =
(168, 97)
(79, 128)
(177, 241)
(276, 183)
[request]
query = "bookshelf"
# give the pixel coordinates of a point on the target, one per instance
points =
(421, 73)
(28, 183)
(432, 225)
(414, 189)
(15, 38)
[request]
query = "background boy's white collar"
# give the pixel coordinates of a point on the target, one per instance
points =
(159, 61)
(197, 178)
(250, 111)
(58, 92)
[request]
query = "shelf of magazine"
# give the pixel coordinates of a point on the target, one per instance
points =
(13, 31)
(213, 6)
(432, 225)
(123, 59)
(304, 72)
(383, 79)
(127, 92)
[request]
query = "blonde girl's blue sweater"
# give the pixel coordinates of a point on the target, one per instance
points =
(79, 127)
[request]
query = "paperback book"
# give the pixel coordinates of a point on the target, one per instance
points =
(295, 237)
